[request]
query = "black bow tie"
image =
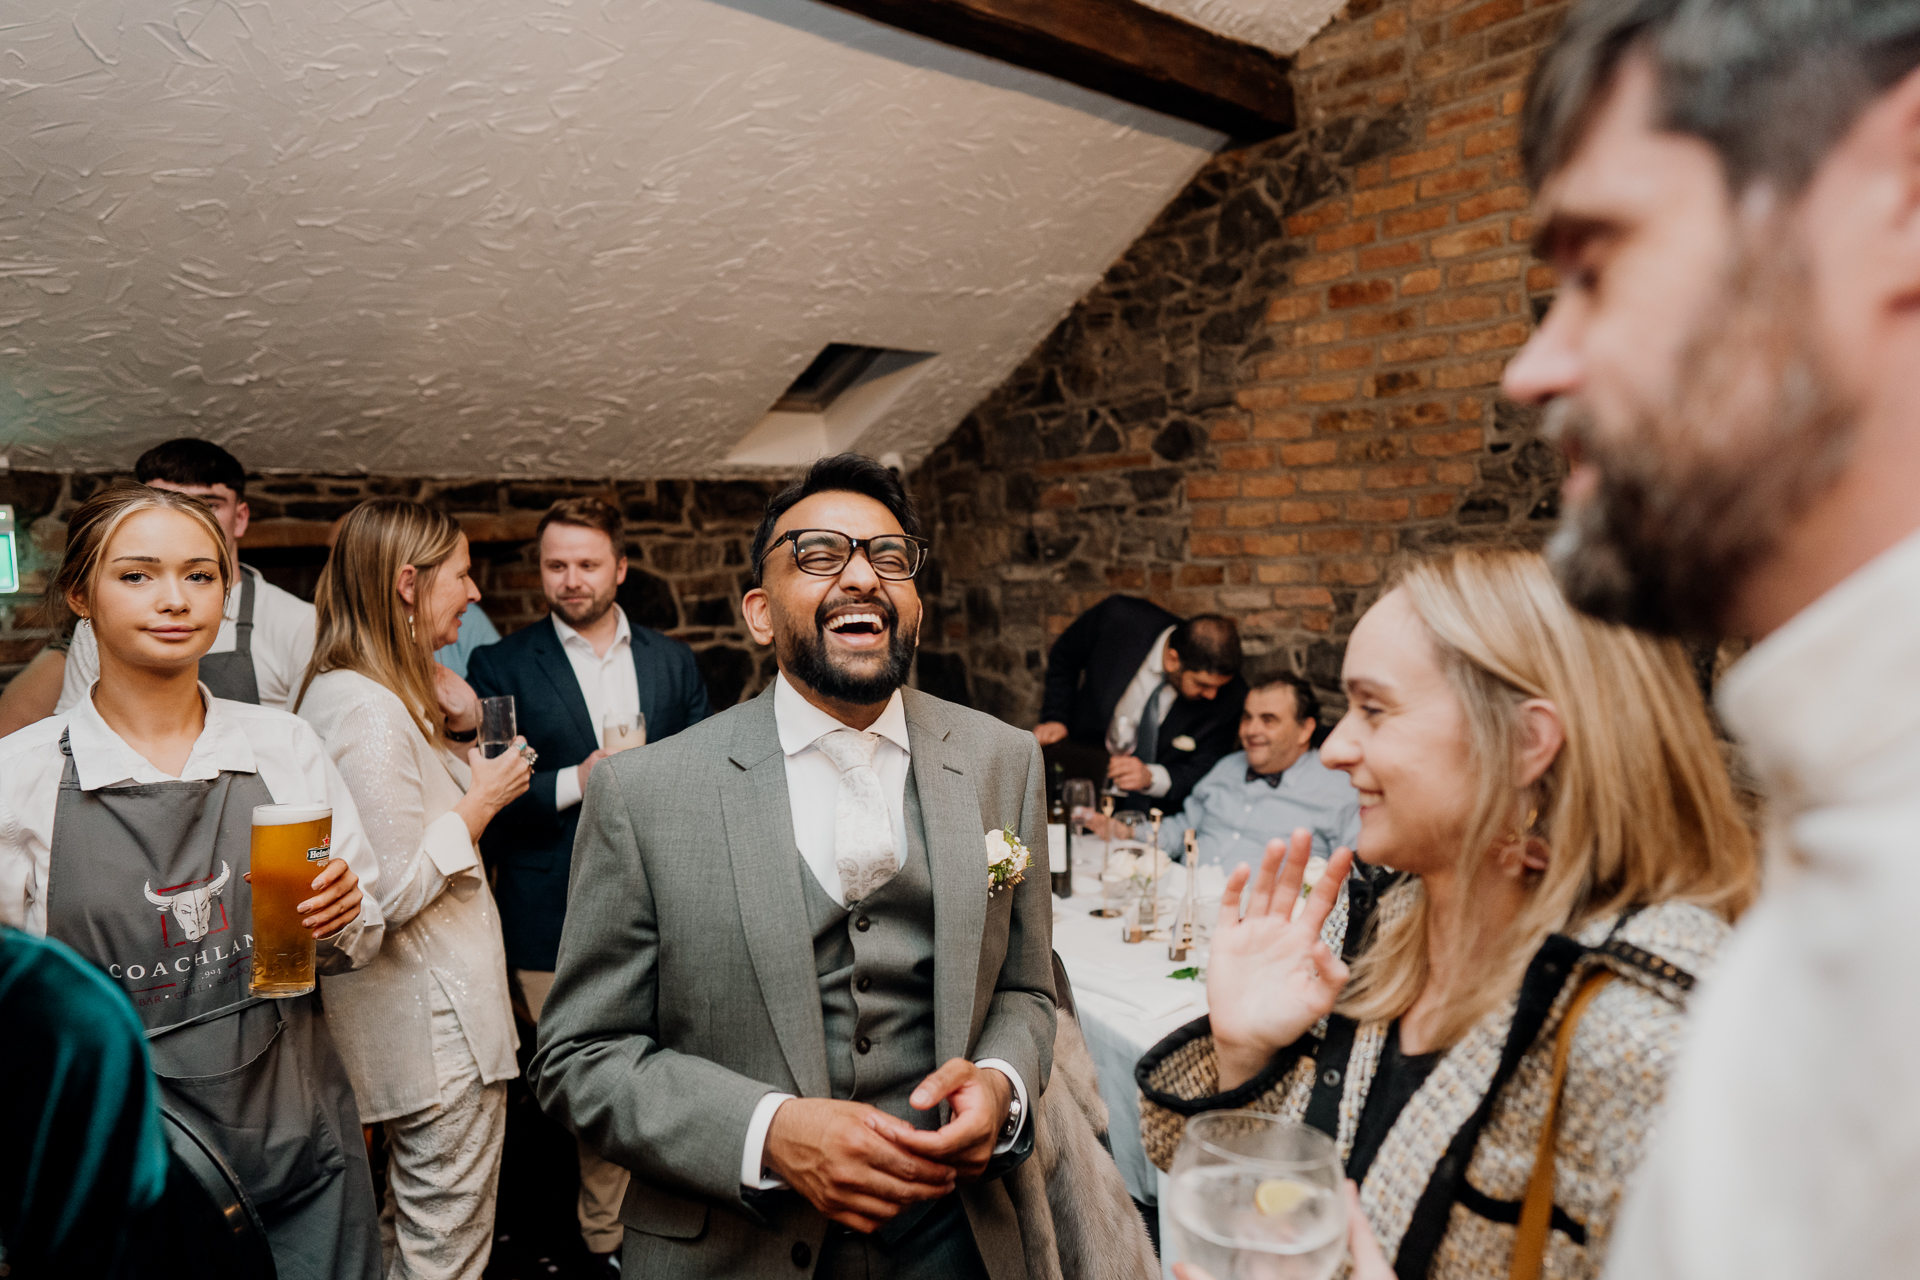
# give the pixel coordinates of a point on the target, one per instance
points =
(1271, 779)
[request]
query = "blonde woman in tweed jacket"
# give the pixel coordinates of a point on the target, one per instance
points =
(1540, 794)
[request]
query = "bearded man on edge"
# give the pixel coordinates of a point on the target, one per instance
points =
(792, 996)
(1730, 193)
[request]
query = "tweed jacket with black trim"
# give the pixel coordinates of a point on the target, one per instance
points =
(1444, 1192)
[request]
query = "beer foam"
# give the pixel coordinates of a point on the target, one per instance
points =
(285, 815)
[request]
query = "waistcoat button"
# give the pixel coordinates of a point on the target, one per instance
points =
(863, 924)
(862, 1044)
(801, 1254)
(863, 984)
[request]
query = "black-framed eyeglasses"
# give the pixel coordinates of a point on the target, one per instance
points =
(825, 552)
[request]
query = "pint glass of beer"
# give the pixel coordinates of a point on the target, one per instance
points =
(291, 842)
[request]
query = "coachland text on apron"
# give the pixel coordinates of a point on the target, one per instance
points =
(149, 883)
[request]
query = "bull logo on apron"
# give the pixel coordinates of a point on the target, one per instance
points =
(193, 909)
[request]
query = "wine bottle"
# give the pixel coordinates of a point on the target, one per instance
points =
(1059, 864)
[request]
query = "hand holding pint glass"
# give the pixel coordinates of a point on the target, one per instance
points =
(292, 846)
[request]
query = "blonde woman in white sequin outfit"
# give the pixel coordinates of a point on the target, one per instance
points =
(1551, 794)
(426, 1029)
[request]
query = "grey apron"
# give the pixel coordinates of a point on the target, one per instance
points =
(149, 883)
(230, 675)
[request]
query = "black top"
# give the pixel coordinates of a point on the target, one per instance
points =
(1398, 1077)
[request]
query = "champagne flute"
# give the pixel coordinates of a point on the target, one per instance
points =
(1123, 735)
(1257, 1197)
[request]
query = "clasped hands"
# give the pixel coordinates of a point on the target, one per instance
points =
(860, 1166)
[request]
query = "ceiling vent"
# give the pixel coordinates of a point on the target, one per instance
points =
(845, 390)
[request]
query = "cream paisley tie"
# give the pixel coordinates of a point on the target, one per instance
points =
(863, 844)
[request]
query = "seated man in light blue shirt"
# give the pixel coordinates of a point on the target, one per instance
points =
(1272, 785)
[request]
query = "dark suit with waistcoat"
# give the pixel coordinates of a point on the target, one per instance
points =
(530, 843)
(702, 969)
(1088, 671)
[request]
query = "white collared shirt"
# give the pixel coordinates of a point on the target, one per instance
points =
(609, 684)
(282, 645)
(1792, 1122)
(238, 738)
(1133, 704)
(813, 789)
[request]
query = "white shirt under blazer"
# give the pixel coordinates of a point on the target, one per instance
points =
(442, 925)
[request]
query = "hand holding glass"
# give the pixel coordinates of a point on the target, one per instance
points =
(1123, 734)
(291, 844)
(619, 734)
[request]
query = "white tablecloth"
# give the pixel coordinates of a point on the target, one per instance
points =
(1127, 1004)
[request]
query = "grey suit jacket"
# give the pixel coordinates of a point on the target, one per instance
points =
(686, 988)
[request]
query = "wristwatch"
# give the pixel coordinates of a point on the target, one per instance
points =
(1014, 1111)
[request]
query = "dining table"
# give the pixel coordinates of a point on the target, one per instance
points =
(1128, 1001)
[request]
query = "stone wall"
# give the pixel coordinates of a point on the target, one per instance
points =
(687, 546)
(1289, 379)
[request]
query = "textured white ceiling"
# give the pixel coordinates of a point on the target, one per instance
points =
(534, 237)
(1282, 26)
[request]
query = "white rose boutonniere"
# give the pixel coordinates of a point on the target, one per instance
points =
(1007, 861)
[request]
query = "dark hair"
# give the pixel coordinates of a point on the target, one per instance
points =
(1207, 642)
(1770, 85)
(200, 463)
(841, 473)
(1306, 703)
(586, 513)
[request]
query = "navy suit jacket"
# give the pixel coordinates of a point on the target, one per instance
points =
(529, 844)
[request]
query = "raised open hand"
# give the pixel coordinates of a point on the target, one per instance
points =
(1269, 976)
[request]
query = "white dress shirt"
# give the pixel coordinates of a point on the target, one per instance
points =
(282, 645)
(1133, 704)
(608, 683)
(1792, 1125)
(813, 788)
(238, 738)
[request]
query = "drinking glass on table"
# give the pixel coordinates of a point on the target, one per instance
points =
(1255, 1197)
(619, 733)
(498, 726)
(1123, 734)
(1085, 850)
(1120, 878)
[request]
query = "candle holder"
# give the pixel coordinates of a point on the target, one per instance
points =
(1183, 930)
(1106, 910)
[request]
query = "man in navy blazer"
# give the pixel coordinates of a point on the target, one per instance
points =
(583, 669)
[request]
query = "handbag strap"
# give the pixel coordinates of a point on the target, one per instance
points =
(1536, 1211)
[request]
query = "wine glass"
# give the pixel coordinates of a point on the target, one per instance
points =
(1255, 1197)
(1123, 734)
(497, 726)
(1120, 881)
(1084, 851)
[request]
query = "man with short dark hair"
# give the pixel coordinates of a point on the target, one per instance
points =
(576, 679)
(1730, 194)
(796, 997)
(266, 634)
(1176, 685)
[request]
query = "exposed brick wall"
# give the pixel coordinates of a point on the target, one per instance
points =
(686, 543)
(1290, 378)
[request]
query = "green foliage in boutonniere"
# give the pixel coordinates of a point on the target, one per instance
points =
(1007, 861)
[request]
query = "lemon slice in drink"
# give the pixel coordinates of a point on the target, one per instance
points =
(1276, 1196)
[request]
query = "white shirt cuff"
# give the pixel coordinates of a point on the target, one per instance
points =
(449, 847)
(1162, 780)
(1005, 1068)
(753, 1171)
(566, 789)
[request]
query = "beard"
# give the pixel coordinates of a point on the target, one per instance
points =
(804, 654)
(583, 613)
(1695, 493)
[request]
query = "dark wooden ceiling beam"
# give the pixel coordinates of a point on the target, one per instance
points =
(1116, 47)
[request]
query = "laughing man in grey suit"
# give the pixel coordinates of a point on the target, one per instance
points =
(787, 997)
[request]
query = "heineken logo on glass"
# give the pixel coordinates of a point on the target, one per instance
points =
(325, 850)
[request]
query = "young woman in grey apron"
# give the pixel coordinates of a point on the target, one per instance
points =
(150, 882)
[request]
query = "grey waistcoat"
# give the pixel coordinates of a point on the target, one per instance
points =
(874, 961)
